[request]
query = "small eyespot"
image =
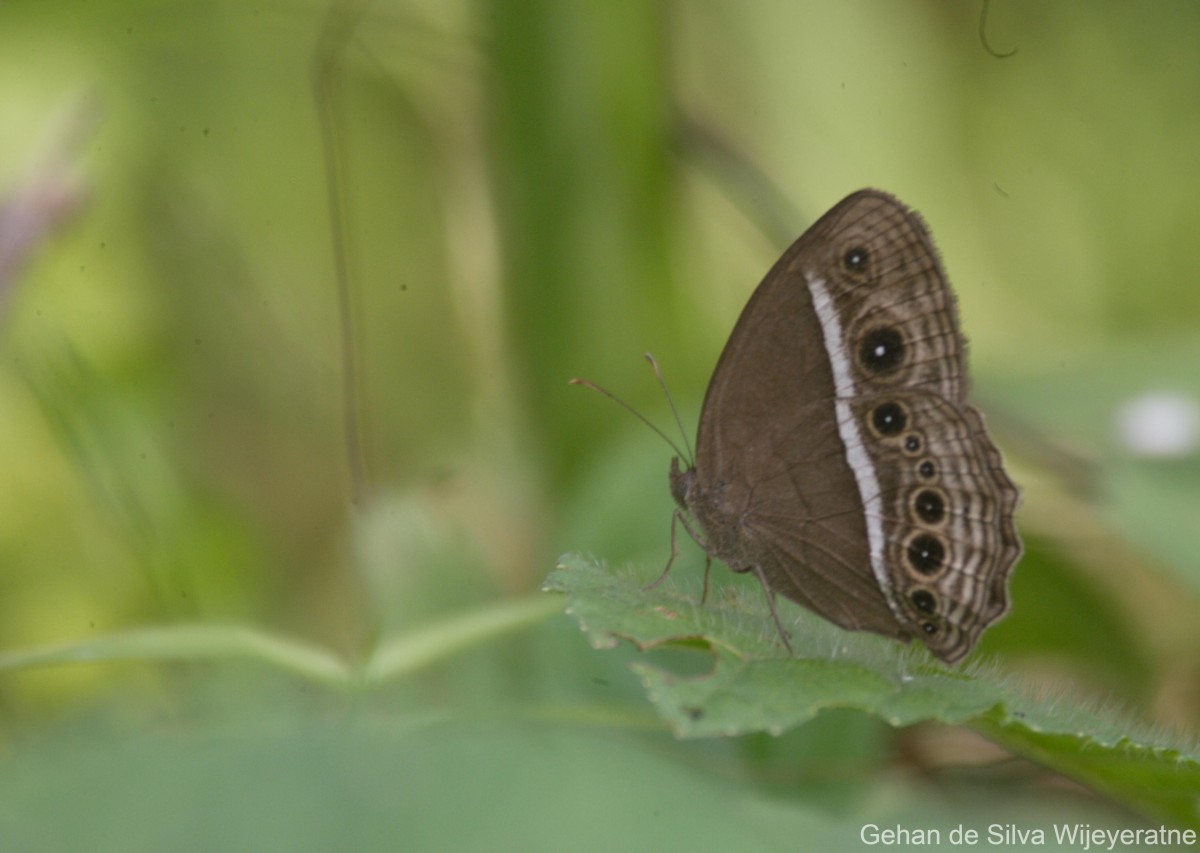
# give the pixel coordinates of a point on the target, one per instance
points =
(929, 506)
(856, 259)
(924, 601)
(929, 628)
(882, 350)
(927, 470)
(889, 418)
(926, 553)
(913, 443)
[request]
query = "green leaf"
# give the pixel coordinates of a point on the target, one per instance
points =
(754, 685)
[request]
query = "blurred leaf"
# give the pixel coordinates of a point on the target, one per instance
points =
(402, 782)
(188, 643)
(1153, 502)
(1057, 612)
(398, 654)
(585, 186)
(1157, 502)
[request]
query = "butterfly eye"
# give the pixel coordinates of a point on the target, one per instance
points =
(856, 259)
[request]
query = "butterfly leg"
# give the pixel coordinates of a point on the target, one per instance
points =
(675, 518)
(770, 593)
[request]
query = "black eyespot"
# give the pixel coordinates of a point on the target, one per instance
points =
(926, 553)
(930, 506)
(924, 601)
(882, 350)
(927, 470)
(929, 627)
(913, 443)
(856, 259)
(889, 419)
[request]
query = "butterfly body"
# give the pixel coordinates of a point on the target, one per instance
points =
(837, 457)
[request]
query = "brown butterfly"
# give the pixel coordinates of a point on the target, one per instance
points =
(837, 457)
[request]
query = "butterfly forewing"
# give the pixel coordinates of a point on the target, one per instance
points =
(886, 284)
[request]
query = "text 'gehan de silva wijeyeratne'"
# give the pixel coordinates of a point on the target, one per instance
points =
(1079, 836)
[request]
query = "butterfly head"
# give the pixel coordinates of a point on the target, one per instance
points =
(681, 482)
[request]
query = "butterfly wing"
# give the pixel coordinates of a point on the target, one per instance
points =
(842, 384)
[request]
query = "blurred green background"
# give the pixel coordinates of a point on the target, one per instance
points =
(201, 422)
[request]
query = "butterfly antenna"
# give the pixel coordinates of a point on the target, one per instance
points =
(588, 384)
(679, 423)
